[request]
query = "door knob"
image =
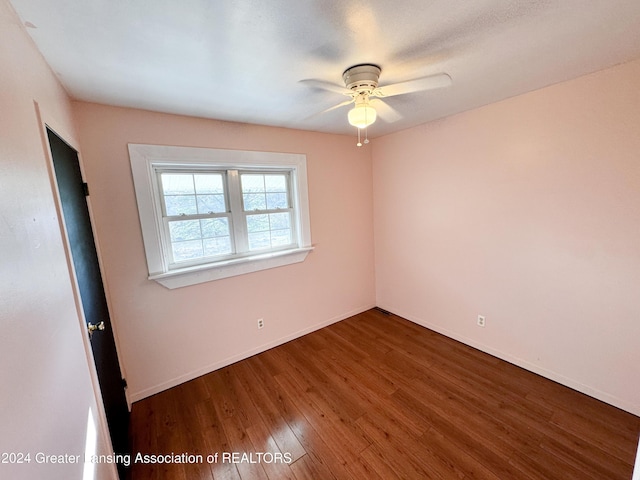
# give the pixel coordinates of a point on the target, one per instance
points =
(92, 328)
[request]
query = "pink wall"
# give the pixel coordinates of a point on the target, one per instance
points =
(528, 212)
(44, 373)
(169, 336)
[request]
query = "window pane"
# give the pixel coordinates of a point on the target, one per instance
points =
(252, 183)
(184, 230)
(180, 205)
(277, 200)
(259, 240)
(279, 221)
(275, 183)
(280, 238)
(254, 201)
(261, 192)
(186, 250)
(217, 246)
(211, 204)
(215, 227)
(177, 183)
(269, 230)
(257, 223)
(204, 193)
(209, 183)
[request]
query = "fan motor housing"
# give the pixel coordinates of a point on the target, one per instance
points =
(362, 77)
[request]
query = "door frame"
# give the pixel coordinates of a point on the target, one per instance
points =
(48, 121)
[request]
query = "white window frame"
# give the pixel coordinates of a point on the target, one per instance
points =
(146, 160)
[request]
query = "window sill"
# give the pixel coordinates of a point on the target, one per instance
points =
(229, 268)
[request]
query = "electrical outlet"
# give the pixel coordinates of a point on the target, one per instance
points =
(260, 323)
(481, 321)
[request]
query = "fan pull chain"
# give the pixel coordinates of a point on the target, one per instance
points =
(366, 137)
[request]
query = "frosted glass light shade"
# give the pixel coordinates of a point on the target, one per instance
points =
(362, 115)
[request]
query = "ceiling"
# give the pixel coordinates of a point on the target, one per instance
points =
(243, 60)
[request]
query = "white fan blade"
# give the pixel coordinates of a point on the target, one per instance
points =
(419, 84)
(342, 104)
(384, 111)
(331, 87)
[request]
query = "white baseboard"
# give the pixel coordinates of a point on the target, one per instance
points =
(532, 367)
(147, 392)
(636, 469)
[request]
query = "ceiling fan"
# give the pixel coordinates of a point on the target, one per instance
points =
(361, 84)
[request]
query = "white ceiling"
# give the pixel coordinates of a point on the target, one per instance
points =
(243, 60)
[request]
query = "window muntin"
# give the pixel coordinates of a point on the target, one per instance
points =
(210, 215)
(266, 203)
(272, 230)
(196, 220)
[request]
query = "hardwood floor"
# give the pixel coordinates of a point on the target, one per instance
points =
(378, 397)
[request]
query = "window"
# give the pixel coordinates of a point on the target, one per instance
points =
(208, 214)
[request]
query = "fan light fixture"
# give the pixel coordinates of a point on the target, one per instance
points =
(362, 115)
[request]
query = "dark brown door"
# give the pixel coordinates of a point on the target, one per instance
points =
(85, 260)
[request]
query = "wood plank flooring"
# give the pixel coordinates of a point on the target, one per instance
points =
(378, 397)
